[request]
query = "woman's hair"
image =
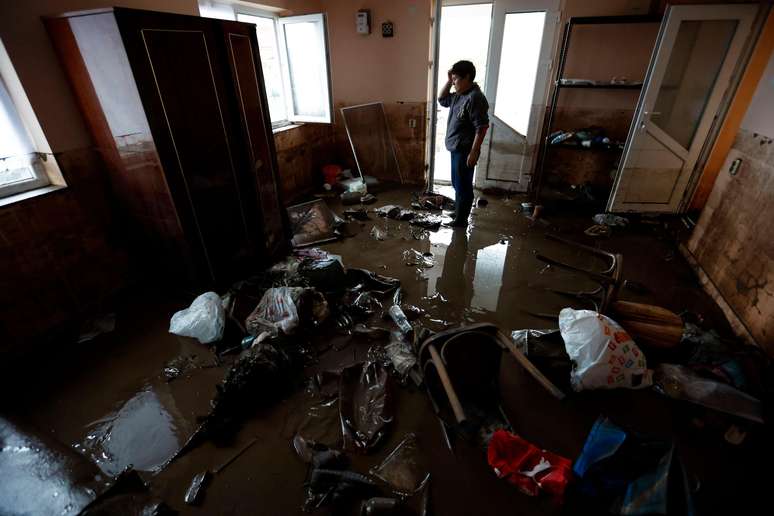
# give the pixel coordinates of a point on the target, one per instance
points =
(464, 69)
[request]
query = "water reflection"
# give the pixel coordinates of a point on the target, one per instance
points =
(144, 432)
(488, 278)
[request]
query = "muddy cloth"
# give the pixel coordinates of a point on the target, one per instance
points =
(364, 405)
(260, 377)
(623, 473)
(526, 466)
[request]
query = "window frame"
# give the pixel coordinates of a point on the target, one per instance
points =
(39, 160)
(279, 35)
(260, 13)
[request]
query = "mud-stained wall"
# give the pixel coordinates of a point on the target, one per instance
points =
(62, 254)
(733, 242)
(301, 153)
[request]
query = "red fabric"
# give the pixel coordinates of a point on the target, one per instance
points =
(331, 173)
(509, 455)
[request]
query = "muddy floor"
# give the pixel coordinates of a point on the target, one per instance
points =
(110, 401)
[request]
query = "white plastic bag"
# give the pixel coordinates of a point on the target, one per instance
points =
(604, 355)
(203, 320)
(276, 311)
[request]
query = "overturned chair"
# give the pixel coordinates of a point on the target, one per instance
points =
(461, 367)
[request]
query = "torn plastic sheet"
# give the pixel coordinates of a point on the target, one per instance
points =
(371, 281)
(366, 304)
(378, 234)
(429, 222)
(390, 211)
(680, 382)
(364, 405)
(404, 468)
(414, 257)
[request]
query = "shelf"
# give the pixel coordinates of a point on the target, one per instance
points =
(633, 86)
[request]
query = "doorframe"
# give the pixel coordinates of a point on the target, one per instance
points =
(717, 99)
(553, 9)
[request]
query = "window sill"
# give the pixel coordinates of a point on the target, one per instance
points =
(286, 128)
(29, 194)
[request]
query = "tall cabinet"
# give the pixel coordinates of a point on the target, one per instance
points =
(176, 105)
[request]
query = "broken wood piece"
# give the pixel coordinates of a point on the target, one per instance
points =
(641, 312)
(662, 336)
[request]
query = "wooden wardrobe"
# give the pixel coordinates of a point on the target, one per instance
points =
(177, 106)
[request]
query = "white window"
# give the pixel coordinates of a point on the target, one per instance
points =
(23, 151)
(294, 59)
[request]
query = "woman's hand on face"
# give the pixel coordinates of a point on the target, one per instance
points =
(449, 75)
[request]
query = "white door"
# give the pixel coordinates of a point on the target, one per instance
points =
(518, 68)
(694, 58)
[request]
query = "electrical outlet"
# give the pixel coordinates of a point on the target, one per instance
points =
(413, 123)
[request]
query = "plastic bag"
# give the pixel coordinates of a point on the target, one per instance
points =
(414, 257)
(203, 320)
(608, 219)
(680, 382)
(403, 468)
(604, 355)
(276, 312)
(400, 353)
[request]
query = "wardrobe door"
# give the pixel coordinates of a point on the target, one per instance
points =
(250, 92)
(178, 64)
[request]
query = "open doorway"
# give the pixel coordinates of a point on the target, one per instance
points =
(464, 35)
(510, 42)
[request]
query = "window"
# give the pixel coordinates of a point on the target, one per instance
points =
(23, 151)
(294, 59)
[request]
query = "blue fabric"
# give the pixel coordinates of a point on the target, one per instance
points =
(462, 176)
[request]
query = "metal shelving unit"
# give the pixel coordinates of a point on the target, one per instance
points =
(558, 86)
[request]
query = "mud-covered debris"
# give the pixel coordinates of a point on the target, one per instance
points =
(404, 468)
(365, 405)
(371, 332)
(390, 211)
(418, 258)
(433, 201)
(195, 492)
(366, 304)
(357, 213)
(608, 219)
(429, 222)
(378, 233)
(368, 199)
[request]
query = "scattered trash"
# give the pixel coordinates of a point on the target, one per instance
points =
(400, 353)
(390, 211)
(650, 326)
(599, 230)
(97, 326)
(311, 223)
(357, 214)
(378, 233)
(204, 320)
(364, 405)
(371, 332)
(608, 219)
(366, 304)
(379, 505)
(195, 491)
(276, 312)
(399, 318)
(368, 199)
(179, 366)
(680, 382)
(403, 468)
(604, 355)
(429, 222)
(527, 207)
(414, 257)
(623, 473)
(433, 201)
(526, 466)
(349, 198)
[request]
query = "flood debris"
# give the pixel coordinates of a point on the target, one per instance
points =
(204, 320)
(598, 230)
(378, 233)
(428, 222)
(681, 383)
(432, 201)
(195, 492)
(97, 326)
(404, 468)
(528, 467)
(357, 214)
(413, 257)
(400, 319)
(400, 353)
(620, 472)
(311, 223)
(390, 211)
(365, 405)
(604, 355)
(608, 219)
